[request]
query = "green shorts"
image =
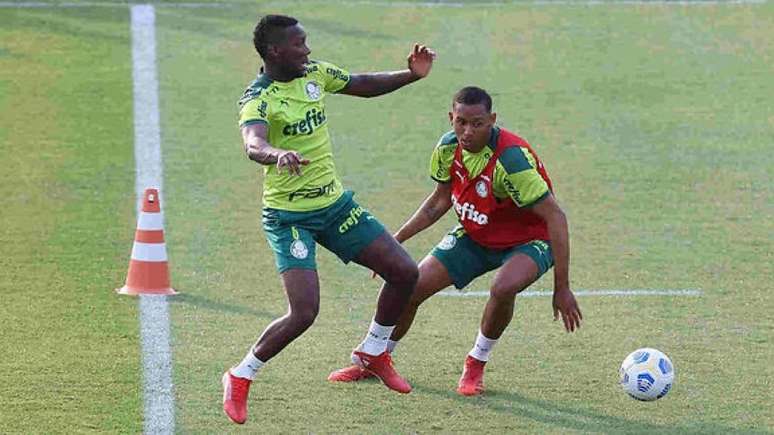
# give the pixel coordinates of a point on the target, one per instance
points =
(466, 260)
(344, 228)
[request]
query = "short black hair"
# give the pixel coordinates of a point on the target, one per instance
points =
(473, 95)
(268, 31)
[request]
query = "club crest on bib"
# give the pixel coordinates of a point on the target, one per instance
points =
(298, 249)
(447, 242)
(313, 90)
(481, 189)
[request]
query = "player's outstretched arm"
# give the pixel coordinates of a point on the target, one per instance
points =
(258, 149)
(564, 301)
(420, 62)
(433, 207)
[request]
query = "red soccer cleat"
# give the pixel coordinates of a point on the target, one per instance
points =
(381, 367)
(472, 379)
(235, 392)
(352, 373)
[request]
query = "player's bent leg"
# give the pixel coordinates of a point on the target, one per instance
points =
(515, 275)
(302, 287)
(303, 292)
(518, 273)
(433, 277)
(388, 259)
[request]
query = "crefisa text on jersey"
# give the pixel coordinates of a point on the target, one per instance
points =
(314, 118)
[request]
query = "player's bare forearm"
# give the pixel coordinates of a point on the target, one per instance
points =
(257, 146)
(432, 209)
(262, 153)
(560, 246)
(558, 231)
(375, 84)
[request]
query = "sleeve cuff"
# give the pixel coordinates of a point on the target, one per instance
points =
(253, 121)
(540, 198)
(349, 79)
(440, 181)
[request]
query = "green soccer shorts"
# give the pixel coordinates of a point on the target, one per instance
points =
(466, 260)
(344, 228)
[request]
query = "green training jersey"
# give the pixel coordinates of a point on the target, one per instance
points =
(516, 174)
(294, 111)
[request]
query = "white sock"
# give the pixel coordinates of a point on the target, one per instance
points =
(249, 367)
(375, 341)
(391, 345)
(482, 348)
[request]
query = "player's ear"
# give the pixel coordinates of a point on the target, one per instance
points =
(492, 118)
(272, 51)
(451, 118)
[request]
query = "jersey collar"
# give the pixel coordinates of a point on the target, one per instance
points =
(263, 80)
(494, 135)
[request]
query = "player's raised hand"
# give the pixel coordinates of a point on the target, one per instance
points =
(420, 60)
(292, 161)
(564, 303)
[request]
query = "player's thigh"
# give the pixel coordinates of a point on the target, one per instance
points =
(522, 266)
(302, 287)
(433, 277)
(293, 246)
(385, 256)
(463, 259)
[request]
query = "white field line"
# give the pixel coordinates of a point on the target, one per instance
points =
(158, 393)
(618, 293)
(398, 4)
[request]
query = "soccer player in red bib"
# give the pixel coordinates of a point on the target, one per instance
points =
(508, 219)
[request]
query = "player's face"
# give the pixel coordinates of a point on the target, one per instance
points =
(472, 124)
(292, 52)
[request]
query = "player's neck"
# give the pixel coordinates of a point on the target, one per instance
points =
(276, 74)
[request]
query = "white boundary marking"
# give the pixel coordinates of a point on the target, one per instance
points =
(158, 392)
(455, 4)
(619, 293)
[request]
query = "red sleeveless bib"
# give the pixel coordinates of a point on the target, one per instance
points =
(494, 222)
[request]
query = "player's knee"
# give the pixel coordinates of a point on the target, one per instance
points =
(505, 292)
(403, 275)
(304, 317)
(408, 274)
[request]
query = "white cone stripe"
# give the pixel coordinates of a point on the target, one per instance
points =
(156, 252)
(150, 221)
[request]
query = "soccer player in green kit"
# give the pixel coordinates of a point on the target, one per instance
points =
(284, 127)
(508, 220)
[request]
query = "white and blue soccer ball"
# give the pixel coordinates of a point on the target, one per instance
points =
(647, 374)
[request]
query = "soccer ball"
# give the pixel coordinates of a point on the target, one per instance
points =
(647, 374)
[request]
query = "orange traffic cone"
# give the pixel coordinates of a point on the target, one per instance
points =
(148, 269)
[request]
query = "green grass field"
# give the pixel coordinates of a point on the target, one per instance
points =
(654, 121)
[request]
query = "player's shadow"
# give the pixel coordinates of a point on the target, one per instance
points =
(209, 304)
(571, 418)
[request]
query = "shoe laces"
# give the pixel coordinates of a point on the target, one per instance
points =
(239, 387)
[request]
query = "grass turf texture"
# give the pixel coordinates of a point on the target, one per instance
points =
(653, 122)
